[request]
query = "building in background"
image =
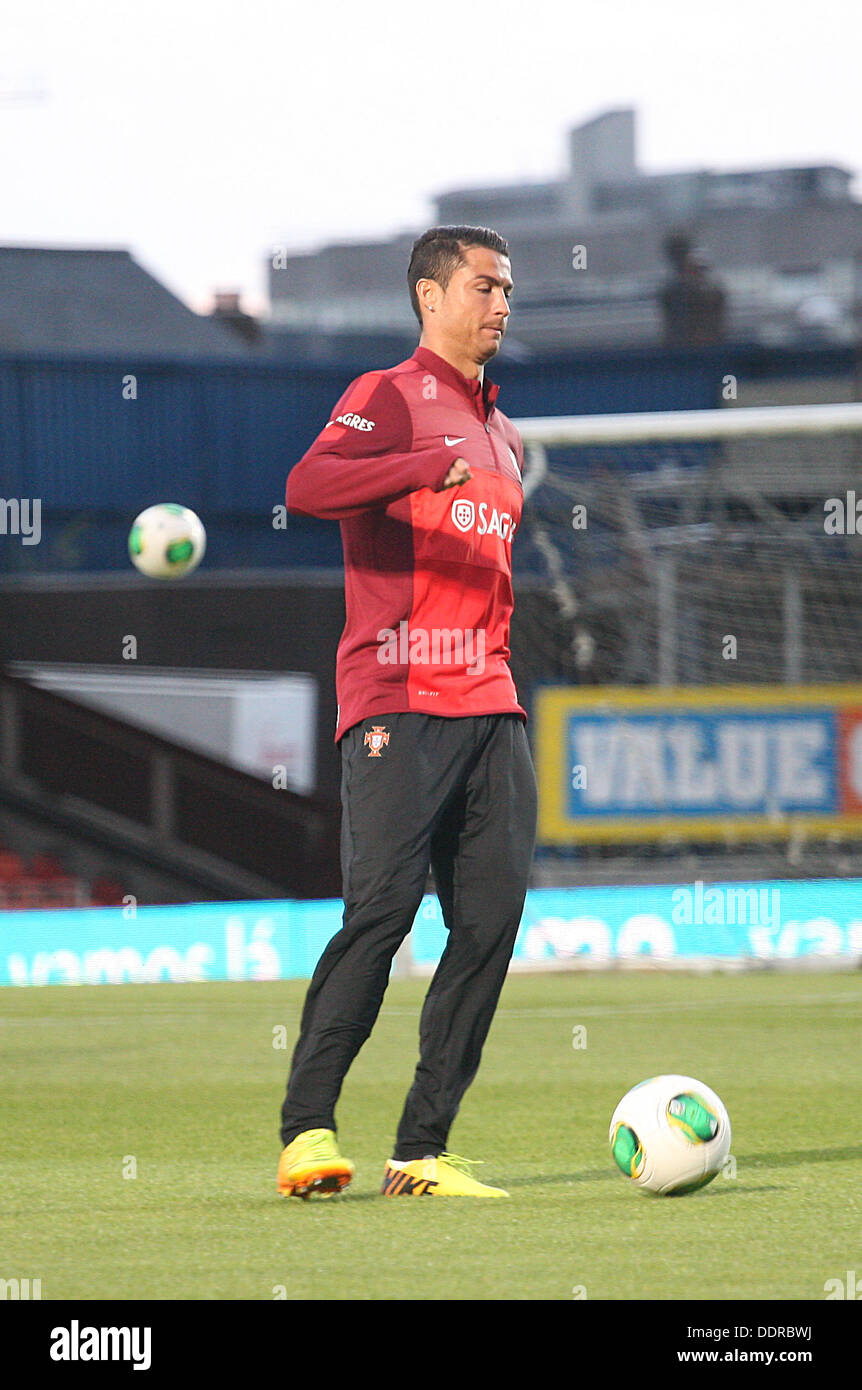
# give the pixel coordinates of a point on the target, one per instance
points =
(228, 309)
(784, 245)
(74, 302)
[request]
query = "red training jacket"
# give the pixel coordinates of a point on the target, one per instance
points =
(428, 571)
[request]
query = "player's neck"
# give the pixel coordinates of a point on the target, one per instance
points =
(463, 364)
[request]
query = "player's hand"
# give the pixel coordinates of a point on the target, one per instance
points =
(459, 473)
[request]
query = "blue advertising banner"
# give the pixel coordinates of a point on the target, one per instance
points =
(660, 923)
(701, 763)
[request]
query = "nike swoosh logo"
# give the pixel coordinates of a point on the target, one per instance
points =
(454, 441)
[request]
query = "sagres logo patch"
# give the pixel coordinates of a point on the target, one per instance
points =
(463, 513)
(376, 739)
(485, 518)
(356, 422)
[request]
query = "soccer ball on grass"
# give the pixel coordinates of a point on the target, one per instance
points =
(670, 1135)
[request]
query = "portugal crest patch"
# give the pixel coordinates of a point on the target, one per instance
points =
(376, 738)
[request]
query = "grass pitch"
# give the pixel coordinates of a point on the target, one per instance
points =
(139, 1142)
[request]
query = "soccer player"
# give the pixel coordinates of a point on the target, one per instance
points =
(424, 474)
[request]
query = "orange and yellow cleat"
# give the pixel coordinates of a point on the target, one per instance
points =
(311, 1166)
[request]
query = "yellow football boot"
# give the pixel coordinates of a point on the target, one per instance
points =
(445, 1176)
(311, 1166)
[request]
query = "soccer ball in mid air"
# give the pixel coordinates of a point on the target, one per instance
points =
(670, 1135)
(167, 541)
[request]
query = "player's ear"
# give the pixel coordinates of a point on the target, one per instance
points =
(428, 293)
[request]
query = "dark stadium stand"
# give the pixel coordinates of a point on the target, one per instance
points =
(185, 823)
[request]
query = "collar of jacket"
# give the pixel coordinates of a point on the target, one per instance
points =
(470, 386)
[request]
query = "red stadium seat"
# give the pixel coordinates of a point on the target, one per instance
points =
(11, 866)
(45, 866)
(106, 892)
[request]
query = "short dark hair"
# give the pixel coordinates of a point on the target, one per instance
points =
(437, 254)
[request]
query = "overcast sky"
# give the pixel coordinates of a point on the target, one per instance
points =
(200, 134)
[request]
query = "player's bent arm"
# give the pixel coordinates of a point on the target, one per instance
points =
(364, 457)
(332, 487)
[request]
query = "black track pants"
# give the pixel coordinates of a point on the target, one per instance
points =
(458, 795)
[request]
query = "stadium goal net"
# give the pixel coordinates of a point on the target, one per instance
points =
(689, 630)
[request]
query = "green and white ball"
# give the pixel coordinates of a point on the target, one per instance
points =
(167, 541)
(670, 1135)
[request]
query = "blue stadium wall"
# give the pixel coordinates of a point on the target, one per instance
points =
(222, 438)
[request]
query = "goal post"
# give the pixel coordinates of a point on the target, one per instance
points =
(728, 423)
